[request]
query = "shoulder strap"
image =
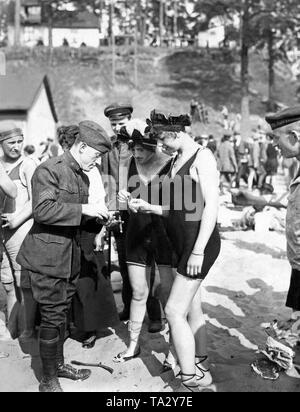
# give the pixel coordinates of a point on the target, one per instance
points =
(14, 173)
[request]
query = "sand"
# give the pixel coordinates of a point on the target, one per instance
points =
(246, 288)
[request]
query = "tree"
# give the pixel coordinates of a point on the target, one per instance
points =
(17, 22)
(275, 30)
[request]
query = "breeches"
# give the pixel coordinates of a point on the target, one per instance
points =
(54, 297)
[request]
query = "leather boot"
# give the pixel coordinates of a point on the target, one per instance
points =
(48, 350)
(67, 371)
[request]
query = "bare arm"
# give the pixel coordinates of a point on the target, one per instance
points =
(208, 178)
(26, 212)
(6, 184)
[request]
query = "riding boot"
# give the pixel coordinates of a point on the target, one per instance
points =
(48, 351)
(67, 371)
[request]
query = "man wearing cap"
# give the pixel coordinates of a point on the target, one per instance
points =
(51, 251)
(289, 143)
(7, 189)
(112, 165)
(115, 166)
(17, 213)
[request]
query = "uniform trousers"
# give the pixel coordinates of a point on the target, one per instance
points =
(54, 297)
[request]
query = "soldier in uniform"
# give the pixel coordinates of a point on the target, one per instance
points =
(115, 166)
(51, 250)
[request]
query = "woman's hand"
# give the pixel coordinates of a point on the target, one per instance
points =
(139, 206)
(194, 265)
(99, 241)
(123, 196)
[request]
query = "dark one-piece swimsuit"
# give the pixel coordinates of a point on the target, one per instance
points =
(146, 238)
(184, 221)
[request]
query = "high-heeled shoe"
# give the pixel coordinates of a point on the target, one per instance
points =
(193, 387)
(121, 358)
(205, 379)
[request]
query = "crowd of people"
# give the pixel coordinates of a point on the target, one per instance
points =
(155, 189)
(253, 163)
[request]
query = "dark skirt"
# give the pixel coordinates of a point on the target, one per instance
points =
(94, 306)
(183, 238)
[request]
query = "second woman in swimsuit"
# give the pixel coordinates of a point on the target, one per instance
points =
(146, 240)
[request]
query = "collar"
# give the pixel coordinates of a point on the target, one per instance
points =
(72, 162)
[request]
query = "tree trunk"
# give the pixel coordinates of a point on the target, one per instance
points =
(113, 42)
(271, 99)
(161, 21)
(245, 109)
(50, 27)
(17, 22)
(175, 24)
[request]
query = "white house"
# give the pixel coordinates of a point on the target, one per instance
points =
(75, 27)
(213, 36)
(27, 101)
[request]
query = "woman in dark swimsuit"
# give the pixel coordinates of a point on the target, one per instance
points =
(191, 218)
(146, 240)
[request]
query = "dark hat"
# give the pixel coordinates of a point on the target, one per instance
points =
(94, 136)
(9, 130)
(118, 111)
(137, 138)
(284, 118)
(160, 122)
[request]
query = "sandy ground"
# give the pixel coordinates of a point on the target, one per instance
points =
(246, 288)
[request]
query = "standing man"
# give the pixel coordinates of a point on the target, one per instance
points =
(17, 213)
(7, 189)
(115, 168)
(51, 251)
(228, 163)
(289, 144)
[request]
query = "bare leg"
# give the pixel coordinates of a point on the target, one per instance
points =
(167, 275)
(251, 179)
(166, 282)
(177, 309)
(139, 279)
(197, 323)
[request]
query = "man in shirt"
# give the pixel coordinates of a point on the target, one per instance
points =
(8, 189)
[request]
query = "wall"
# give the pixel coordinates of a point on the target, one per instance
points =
(76, 36)
(212, 37)
(31, 34)
(40, 122)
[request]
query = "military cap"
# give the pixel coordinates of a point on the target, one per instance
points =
(284, 118)
(117, 111)
(94, 136)
(8, 130)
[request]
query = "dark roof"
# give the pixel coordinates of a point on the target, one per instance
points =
(18, 93)
(31, 3)
(76, 20)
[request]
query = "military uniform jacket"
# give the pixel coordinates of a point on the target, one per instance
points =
(52, 247)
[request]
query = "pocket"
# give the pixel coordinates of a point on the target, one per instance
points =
(49, 238)
(68, 193)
